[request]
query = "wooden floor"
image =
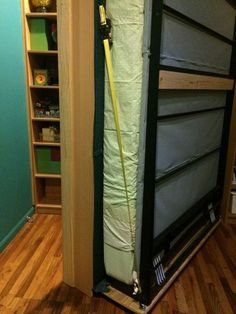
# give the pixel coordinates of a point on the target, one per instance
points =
(31, 277)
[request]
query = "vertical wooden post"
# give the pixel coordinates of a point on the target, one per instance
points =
(231, 155)
(76, 67)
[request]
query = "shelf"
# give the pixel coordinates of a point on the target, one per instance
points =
(47, 176)
(50, 202)
(46, 119)
(46, 144)
(44, 87)
(51, 15)
(43, 52)
(48, 196)
(44, 107)
(233, 186)
(48, 209)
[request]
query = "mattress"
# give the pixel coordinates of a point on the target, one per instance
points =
(127, 30)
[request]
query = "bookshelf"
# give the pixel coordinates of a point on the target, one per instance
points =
(41, 63)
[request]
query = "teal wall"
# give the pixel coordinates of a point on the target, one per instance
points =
(15, 182)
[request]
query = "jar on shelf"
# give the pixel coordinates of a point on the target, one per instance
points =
(41, 5)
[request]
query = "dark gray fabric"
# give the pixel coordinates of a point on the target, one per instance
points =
(183, 139)
(218, 15)
(171, 102)
(186, 47)
(177, 194)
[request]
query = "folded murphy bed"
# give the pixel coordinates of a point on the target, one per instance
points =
(173, 68)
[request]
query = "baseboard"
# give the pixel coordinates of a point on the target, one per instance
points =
(12, 233)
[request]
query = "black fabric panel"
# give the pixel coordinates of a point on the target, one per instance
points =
(98, 251)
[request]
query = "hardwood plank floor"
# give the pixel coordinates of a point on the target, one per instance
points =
(31, 276)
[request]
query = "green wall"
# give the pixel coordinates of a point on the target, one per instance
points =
(15, 182)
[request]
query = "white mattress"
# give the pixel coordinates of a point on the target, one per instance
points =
(127, 20)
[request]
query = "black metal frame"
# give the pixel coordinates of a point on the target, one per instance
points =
(150, 153)
(99, 61)
(189, 113)
(149, 246)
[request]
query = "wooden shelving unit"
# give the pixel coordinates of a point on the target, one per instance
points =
(230, 184)
(44, 110)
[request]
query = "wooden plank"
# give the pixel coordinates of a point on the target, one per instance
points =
(76, 69)
(26, 45)
(178, 80)
(44, 87)
(42, 15)
(46, 119)
(47, 175)
(43, 52)
(46, 144)
(133, 305)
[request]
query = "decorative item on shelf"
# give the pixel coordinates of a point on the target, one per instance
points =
(40, 77)
(41, 5)
(52, 36)
(53, 76)
(46, 109)
(48, 160)
(38, 34)
(50, 134)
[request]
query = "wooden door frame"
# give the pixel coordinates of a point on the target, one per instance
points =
(76, 71)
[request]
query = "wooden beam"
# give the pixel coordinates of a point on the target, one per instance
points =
(76, 70)
(178, 80)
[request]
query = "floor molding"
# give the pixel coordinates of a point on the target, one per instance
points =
(12, 233)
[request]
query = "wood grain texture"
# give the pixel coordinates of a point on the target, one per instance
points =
(76, 71)
(177, 80)
(31, 276)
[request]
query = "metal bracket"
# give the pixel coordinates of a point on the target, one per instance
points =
(212, 213)
(105, 25)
